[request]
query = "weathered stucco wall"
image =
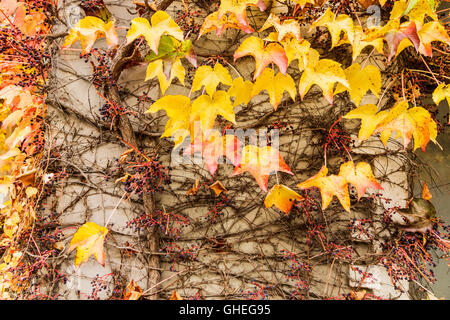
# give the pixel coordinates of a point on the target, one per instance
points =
(244, 243)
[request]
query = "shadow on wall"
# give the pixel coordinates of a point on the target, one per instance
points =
(438, 180)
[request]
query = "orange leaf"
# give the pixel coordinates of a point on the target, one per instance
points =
(132, 291)
(431, 31)
(239, 8)
(194, 189)
(426, 194)
(329, 187)
(212, 22)
(215, 147)
(264, 55)
(282, 197)
(175, 296)
(361, 176)
(261, 162)
(218, 188)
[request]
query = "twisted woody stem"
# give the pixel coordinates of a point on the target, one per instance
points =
(125, 53)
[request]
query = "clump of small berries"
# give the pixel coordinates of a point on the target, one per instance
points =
(149, 177)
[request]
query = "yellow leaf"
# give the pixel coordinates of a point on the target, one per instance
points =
(324, 74)
(264, 55)
(238, 9)
(282, 197)
(287, 28)
(302, 51)
(212, 22)
(241, 90)
(302, 3)
(89, 240)
(275, 86)
(369, 119)
(335, 26)
(360, 176)
(178, 109)
(156, 69)
(440, 93)
(329, 186)
(31, 192)
(411, 123)
(161, 23)
(416, 14)
(88, 30)
(431, 31)
(206, 109)
(358, 87)
(210, 78)
(414, 123)
(360, 42)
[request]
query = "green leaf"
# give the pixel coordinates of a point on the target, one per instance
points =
(170, 49)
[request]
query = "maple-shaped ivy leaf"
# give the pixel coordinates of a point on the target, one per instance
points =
(161, 24)
(440, 93)
(414, 123)
(370, 118)
(411, 123)
(156, 69)
(89, 240)
(324, 74)
(171, 49)
(275, 85)
(395, 33)
(358, 88)
(212, 22)
(431, 31)
(210, 78)
(301, 51)
(241, 91)
(329, 187)
(282, 197)
(335, 26)
(88, 30)
(261, 162)
(206, 109)
(360, 176)
(178, 109)
(264, 55)
(238, 8)
(416, 10)
(216, 146)
(287, 28)
(360, 42)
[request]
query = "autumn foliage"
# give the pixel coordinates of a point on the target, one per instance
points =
(217, 91)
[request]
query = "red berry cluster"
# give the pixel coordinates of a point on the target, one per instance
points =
(177, 254)
(217, 210)
(260, 292)
(99, 284)
(170, 223)
(149, 177)
(297, 270)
